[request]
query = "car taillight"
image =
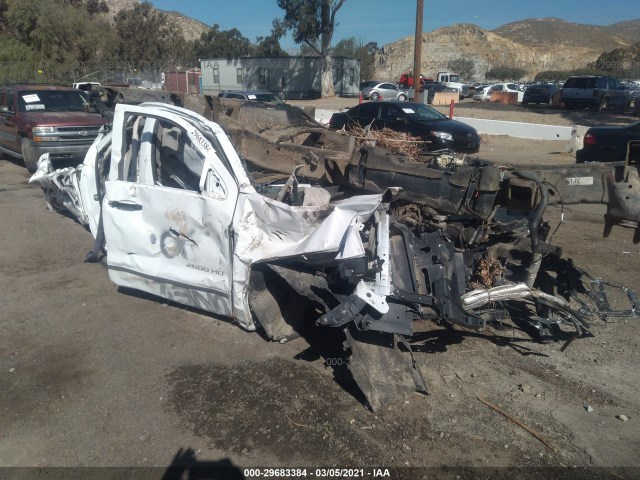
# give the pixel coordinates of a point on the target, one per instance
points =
(589, 139)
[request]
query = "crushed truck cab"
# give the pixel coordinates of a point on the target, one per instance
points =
(182, 219)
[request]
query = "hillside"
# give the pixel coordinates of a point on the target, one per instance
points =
(534, 45)
(191, 28)
(550, 31)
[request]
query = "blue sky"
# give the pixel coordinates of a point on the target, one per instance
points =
(385, 21)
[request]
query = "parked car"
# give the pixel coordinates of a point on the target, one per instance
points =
(385, 91)
(368, 83)
(253, 95)
(609, 144)
(36, 119)
(594, 91)
(413, 118)
(482, 93)
(508, 88)
(542, 93)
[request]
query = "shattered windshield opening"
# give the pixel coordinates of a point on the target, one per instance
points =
(53, 101)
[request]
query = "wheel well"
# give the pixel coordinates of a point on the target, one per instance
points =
(279, 309)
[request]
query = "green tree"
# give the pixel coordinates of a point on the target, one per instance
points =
(146, 38)
(22, 18)
(55, 38)
(18, 61)
(551, 75)
(345, 48)
(307, 51)
(3, 10)
(463, 67)
(357, 50)
(96, 6)
(505, 73)
(269, 46)
(312, 22)
(218, 43)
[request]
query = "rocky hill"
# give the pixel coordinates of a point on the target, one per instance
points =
(550, 31)
(190, 27)
(534, 45)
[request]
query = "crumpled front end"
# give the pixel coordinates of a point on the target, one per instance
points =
(61, 188)
(339, 267)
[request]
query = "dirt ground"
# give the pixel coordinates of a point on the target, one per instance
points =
(93, 375)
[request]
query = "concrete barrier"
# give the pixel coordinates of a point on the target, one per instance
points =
(534, 131)
(444, 98)
(509, 98)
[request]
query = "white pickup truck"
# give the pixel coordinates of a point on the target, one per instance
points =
(452, 80)
(167, 197)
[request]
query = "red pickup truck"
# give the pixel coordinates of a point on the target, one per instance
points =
(37, 119)
(406, 80)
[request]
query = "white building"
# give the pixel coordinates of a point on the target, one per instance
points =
(289, 77)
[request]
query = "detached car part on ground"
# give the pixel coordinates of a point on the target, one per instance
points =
(169, 198)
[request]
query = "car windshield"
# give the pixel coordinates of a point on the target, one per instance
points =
(421, 113)
(53, 101)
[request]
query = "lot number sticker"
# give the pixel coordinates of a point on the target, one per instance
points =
(33, 97)
(579, 181)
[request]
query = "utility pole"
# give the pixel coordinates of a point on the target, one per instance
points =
(417, 50)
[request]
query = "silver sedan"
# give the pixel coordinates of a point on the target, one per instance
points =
(385, 91)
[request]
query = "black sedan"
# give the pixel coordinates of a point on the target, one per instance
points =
(412, 118)
(609, 144)
(539, 94)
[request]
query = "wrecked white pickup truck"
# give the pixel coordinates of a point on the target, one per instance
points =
(169, 199)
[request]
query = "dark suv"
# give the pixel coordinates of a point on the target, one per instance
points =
(594, 91)
(37, 119)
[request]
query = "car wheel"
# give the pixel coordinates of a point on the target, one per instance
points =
(402, 97)
(29, 156)
(375, 96)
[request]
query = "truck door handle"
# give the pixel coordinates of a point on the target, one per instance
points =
(125, 205)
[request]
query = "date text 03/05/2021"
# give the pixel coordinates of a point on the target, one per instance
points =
(317, 473)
